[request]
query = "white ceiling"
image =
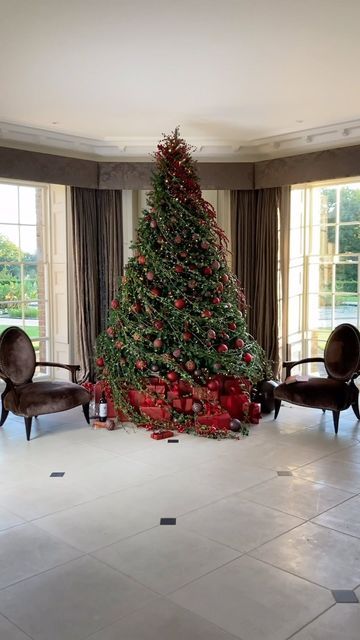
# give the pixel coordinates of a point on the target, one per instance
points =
(244, 79)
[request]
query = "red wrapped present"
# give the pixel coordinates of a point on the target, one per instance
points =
(183, 405)
(160, 435)
(156, 413)
(136, 398)
(237, 405)
(172, 395)
(236, 385)
(184, 387)
(159, 389)
(220, 421)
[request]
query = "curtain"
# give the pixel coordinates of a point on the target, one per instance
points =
(98, 258)
(254, 236)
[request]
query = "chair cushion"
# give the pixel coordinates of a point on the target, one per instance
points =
(37, 398)
(319, 393)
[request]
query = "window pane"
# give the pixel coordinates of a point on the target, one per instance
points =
(295, 314)
(349, 238)
(10, 286)
(9, 243)
(350, 204)
(27, 205)
(347, 277)
(30, 282)
(28, 241)
(327, 240)
(346, 309)
(320, 311)
(8, 203)
(328, 206)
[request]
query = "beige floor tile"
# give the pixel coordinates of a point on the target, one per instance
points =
(341, 622)
(345, 517)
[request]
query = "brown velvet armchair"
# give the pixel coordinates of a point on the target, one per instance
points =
(337, 392)
(26, 398)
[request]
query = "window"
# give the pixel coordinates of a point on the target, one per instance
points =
(24, 268)
(324, 272)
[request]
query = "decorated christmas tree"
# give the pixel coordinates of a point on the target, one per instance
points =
(176, 350)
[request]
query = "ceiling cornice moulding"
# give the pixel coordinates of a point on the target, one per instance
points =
(117, 149)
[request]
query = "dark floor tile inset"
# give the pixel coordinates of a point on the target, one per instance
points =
(57, 474)
(167, 520)
(173, 440)
(344, 596)
(284, 473)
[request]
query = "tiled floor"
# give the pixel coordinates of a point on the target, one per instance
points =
(253, 555)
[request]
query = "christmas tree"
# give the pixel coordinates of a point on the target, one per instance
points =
(177, 340)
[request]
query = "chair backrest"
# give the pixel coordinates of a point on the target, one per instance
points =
(342, 352)
(17, 355)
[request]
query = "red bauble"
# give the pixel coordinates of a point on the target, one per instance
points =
(216, 300)
(232, 326)
(150, 275)
(207, 271)
(211, 334)
(190, 365)
(192, 267)
(140, 364)
(110, 331)
(180, 303)
(225, 336)
(179, 268)
(155, 291)
(100, 362)
(239, 343)
(205, 244)
(222, 348)
(248, 357)
(115, 304)
(215, 265)
(119, 345)
(136, 307)
(213, 385)
(220, 287)
(141, 260)
(153, 224)
(172, 376)
(178, 239)
(177, 353)
(225, 278)
(187, 336)
(158, 324)
(158, 343)
(206, 313)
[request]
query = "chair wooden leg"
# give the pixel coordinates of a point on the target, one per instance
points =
(86, 412)
(323, 410)
(4, 414)
(336, 416)
(277, 407)
(28, 427)
(355, 408)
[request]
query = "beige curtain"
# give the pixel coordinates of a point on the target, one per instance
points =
(254, 236)
(98, 260)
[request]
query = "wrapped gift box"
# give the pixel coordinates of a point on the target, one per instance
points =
(155, 413)
(183, 405)
(221, 420)
(237, 405)
(137, 398)
(172, 395)
(160, 435)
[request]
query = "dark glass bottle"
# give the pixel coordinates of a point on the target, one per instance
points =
(102, 408)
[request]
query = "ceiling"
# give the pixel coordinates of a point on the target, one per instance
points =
(244, 79)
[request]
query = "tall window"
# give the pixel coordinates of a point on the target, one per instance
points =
(324, 277)
(24, 300)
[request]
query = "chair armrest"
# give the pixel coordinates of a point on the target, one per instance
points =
(289, 365)
(73, 368)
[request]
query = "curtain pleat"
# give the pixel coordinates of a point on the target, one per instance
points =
(255, 262)
(98, 259)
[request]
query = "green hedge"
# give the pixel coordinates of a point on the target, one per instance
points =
(16, 312)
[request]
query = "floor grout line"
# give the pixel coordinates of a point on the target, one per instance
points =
(311, 621)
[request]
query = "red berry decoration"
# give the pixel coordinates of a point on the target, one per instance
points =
(190, 365)
(119, 345)
(183, 254)
(225, 278)
(158, 324)
(211, 334)
(187, 336)
(136, 307)
(140, 364)
(100, 362)
(205, 245)
(222, 348)
(207, 271)
(155, 291)
(150, 275)
(220, 287)
(216, 300)
(177, 353)
(225, 335)
(239, 343)
(206, 313)
(213, 385)
(172, 376)
(115, 304)
(110, 331)
(141, 260)
(178, 239)
(232, 326)
(180, 303)
(153, 224)
(248, 358)
(215, 265)
(179, 268)
(158, 343)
